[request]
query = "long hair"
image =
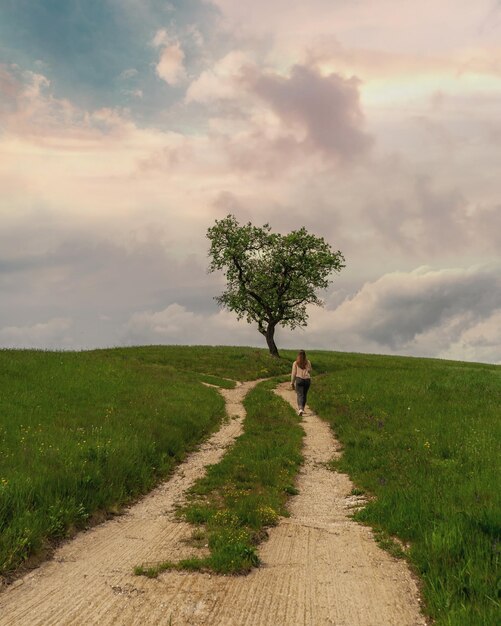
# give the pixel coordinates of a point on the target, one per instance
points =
(301, 360)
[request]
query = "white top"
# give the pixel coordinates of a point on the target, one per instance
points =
(299, 372)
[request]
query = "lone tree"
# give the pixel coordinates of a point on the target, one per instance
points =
(271, 278)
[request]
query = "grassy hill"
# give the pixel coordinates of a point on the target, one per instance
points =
(83, 433)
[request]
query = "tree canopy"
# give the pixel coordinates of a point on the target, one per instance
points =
(271, 278)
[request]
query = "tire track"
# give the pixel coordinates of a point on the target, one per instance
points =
(90, 577)
(319, 566)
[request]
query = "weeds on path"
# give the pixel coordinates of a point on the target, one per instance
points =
(247, 491)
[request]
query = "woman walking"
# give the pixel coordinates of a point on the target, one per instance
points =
(301, 379)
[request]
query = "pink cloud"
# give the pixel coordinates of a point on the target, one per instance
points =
(10, 92)
(327, 53)
(170, 67)
(30, 111)
(266, 122)
(426, 27)
(222, 81)
(326, 108)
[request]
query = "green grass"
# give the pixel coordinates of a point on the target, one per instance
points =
(81, 434)
(247, 491)
(219, 361)
(423, 437)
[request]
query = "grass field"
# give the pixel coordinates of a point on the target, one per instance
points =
(83, 433)
(423, 436)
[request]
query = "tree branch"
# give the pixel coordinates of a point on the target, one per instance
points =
(244, 282)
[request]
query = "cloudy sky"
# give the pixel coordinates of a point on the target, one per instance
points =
(128, 126)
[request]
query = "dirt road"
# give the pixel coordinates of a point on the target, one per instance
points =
(319, 567)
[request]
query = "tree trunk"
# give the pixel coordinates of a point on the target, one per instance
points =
(270, 332)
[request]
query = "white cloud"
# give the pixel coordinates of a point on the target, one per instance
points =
(480, 342)
(451, 313)
(131, 72)
(134, 93)
(161, 38)
(222, 81)
(175, 323)
(170, 67)
(55, 333)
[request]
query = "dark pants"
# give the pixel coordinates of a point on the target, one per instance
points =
(302, 386)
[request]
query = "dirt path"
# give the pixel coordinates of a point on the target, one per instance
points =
(319, 567)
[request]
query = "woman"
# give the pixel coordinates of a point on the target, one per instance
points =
(301, 379)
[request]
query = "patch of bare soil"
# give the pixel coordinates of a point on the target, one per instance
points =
(319, 566)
